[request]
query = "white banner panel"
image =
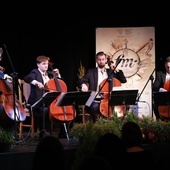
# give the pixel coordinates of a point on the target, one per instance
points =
(135, 46)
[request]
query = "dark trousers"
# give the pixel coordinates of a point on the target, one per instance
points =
(93, 110)
(41, 115)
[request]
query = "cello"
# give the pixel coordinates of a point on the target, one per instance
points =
(59, 113)
(7, 101)
(105, 109)
(164, 111)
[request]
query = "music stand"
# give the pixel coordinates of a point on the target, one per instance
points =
(123, 97)
(45, 101)
(72, 98)
(161, 98)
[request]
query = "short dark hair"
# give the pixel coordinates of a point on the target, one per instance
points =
(100, 53)
(167, 59)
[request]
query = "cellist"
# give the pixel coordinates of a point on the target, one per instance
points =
(3, 77)
(37, 78)
(162, 76)
(93, 77)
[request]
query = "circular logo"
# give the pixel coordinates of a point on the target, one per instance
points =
(126, 60)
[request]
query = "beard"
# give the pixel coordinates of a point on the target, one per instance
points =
(101, 65)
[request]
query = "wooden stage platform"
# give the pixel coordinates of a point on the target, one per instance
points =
(21, 153)
(30, 144)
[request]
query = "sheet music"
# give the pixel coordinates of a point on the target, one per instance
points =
(72, 98)
(91, 98)
(117, 88)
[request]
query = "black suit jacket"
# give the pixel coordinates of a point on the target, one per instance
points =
(35, 92)
(91, 78)
(159, 80)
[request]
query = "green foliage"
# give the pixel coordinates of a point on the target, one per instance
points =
(89, 133)
(6, 137)
(153, 131)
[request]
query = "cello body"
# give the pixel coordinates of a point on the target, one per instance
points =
(60, 113)
(105, 109)
(7, 101)
(164, 111)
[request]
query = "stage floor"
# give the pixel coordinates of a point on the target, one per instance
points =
(28, 144)
(22, 152)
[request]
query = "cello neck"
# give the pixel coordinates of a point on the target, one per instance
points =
(55, 77)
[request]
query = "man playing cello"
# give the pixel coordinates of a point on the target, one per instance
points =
(93, 77)
(161, 84)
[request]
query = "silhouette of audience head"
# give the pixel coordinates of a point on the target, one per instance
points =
(132, 140)
(131, 134)
(49, 153)
(110, 147)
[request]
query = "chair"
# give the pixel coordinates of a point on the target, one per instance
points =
(23, 94)
(85, 117)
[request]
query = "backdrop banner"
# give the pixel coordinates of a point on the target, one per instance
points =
(135, 47)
